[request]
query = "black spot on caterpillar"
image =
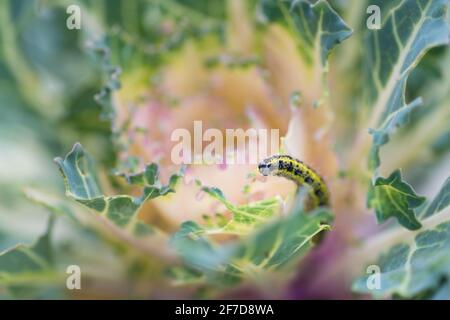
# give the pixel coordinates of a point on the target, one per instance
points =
(297, 171)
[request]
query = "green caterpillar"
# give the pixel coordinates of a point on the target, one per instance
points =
(295, 170)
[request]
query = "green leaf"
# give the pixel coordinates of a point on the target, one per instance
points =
(81, 185)
(419, 262)
(272, 247)
(284, 240)
(245, 217)
(317, 26)
(23, 265)
(197, 250)
(393, 197)
(410, 28)
(381, 135)
(427, 136)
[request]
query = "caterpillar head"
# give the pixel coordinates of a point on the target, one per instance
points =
(267, 166)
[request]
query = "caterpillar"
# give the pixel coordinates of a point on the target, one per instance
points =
(297, 171)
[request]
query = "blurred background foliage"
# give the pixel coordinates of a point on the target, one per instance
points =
(54, 85)
(47, 85)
